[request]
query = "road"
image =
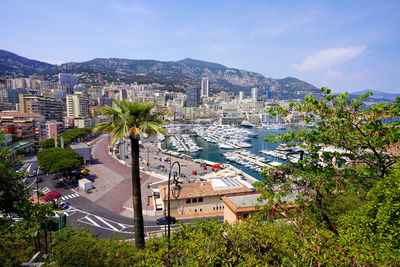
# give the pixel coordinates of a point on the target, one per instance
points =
(86, 213)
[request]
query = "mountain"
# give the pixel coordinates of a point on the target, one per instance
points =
(13, 63)
(187, 71)
(378, 95)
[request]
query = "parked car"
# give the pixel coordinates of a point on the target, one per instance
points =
(64, 205)
(164, 220)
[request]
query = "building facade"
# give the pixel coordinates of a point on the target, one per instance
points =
(193, 97)
(25, 126)
(50, 108)
(69, 80)
(77, 105)
(204, 87)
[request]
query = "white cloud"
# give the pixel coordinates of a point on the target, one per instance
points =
(333, 74)
(329, 57)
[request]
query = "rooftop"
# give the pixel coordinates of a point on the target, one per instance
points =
(207, 189)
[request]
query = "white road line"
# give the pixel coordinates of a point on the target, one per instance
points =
(90, 220)
(106, 223)
(75, 195)
(66, 197)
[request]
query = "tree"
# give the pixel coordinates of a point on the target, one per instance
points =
(132, 119)
(52, 196)
(59, 160)
(13, 194)
(344, 131)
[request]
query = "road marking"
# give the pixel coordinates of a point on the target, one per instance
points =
(70, 196)
(45, 190)
(90, 220)
(106, 223)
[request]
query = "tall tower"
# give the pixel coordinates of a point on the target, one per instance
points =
(193, 97)
(254, 94)
(241, 95)
(204, 87)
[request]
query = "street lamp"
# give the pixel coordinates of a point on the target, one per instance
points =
(176, 190)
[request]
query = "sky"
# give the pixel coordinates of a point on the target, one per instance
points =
(344, 45)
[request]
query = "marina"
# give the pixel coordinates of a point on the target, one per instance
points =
(214, 143)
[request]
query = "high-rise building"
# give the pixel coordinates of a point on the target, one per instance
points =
(193, 97)
(204, 87)
(50, 108)
(13, 94)
(77, 105)
(68, 79)
(254, 93)
(241, 95)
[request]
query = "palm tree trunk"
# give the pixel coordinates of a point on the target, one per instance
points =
(137, 195)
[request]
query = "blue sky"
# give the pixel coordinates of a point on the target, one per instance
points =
(345, 45)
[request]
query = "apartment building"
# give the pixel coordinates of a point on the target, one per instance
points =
(25, 126)
(77, 105)
(50, 108)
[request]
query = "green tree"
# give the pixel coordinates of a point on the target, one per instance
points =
(13, 194)
(132, 119)
(344, 131)
(59, 160)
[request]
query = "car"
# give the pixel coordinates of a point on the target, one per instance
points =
(64, 205)
(164, 220)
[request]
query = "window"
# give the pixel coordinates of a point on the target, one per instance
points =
(200, 199)
(213, 208)
(188, 201)
(201, 210)
(245, 215)
(195, 210)
(194, 200)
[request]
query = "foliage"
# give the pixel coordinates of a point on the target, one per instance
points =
(81, 248)
(59, 160)
(51, 196)
(254, 242)
(343, 131)
(69, 137)
(17, 238)
(13, 193)
(132, 119)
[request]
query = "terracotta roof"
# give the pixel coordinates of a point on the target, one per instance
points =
(202, 189)
(394, 149)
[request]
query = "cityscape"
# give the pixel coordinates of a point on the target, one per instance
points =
(193, 163)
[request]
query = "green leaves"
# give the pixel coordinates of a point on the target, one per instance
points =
(131, 119)
(59, 160)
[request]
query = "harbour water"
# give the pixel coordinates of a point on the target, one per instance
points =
(213, 152)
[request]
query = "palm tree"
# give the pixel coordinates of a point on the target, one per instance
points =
(132, 119)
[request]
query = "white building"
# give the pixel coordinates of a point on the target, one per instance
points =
(77, 105)
(254, 94)
(241, 95)
(204, 87)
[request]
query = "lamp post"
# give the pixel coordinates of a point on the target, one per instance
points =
(37, 184)
(37, 194)
(176, 190)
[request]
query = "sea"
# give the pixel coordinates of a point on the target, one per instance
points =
(213, 152)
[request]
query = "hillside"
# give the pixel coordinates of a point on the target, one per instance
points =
(13, 63)
(188, 71)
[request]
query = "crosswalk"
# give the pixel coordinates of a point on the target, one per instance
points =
(45, 190)
(70, 196)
